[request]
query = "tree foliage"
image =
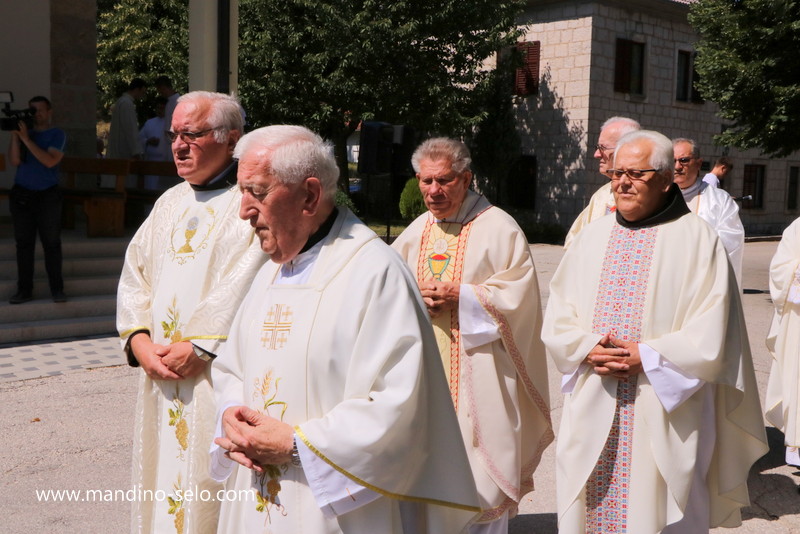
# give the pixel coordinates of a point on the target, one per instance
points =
(140, 38)
(327, 64)
(319, 62)
(747, 64)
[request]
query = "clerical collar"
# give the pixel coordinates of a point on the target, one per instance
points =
(465, 210)
(223, 180)
(692, 191)
(674, 208)
(322, 232)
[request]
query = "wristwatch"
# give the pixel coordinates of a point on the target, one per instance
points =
(295, 455)
(202, 354)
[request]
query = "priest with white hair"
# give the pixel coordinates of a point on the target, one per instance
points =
(332, 405)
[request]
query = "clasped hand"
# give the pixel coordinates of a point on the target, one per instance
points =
(439, 296)
(166, 362)
(615, 357)
(254, 440)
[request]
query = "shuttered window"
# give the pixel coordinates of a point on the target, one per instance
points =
(526, 80)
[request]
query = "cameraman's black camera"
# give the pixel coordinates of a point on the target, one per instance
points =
(13, 116)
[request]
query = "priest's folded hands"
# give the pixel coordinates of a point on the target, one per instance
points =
(253, 439)
(439, 296)
(615, 357)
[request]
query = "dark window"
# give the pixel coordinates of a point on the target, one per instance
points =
(686, 78)
(791, 194)
(526, 80)
(753, 186)
(629, 67)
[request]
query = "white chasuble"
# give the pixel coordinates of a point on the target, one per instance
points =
(498, 382)
(601, 204)
(783, 341)
(624, 461)
(185, 272)
(348, 359)
(717, 208)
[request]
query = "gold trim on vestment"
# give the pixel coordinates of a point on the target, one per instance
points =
(376, 489)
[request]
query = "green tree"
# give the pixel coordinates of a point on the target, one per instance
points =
(747, 62)
(140, 38)
(328, 63)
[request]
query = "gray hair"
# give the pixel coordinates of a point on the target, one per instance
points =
(661, 157)
(692, 142)
(224, 115)
(626, 125)
(295, 153)
(439, 148)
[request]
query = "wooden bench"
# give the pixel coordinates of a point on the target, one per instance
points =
(104, 207)
(138, 199)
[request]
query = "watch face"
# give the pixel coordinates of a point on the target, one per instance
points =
(203, 355)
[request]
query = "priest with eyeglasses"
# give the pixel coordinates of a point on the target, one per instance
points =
(661, 419)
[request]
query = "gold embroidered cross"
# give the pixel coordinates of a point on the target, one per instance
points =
(277, 327)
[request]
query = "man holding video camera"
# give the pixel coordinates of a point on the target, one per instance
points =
(36, 149)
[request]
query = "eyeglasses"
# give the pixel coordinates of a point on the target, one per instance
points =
(634, 175)
(684, 161)
(602, 148)
(187, 137)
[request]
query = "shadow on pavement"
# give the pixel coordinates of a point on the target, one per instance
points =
(773, 488)
(530, 523)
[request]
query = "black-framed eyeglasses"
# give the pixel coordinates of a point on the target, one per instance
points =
(188, 137)
(684, 161)
(602, 148)
(634, 175)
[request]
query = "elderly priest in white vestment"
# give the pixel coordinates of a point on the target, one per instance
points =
(186, 270)
(476, 275)
(602, 202)
(332, 404)
(783, 341)
(661, 419)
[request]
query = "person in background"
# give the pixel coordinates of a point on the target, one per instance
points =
(722, 167)
(153, 139)
(602, 202)
(782, 404)
(36, 199)
(123, 134)
(163, 85)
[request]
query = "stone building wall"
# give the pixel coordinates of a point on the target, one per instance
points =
(561, 125)
(73, 71)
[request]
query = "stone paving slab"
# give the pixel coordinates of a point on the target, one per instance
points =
(68, 423)
(28, 361)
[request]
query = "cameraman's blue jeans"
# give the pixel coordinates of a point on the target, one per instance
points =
(37, 212)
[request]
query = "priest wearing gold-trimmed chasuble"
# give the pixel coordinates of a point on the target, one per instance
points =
(185, 272)
(661, 419)
(475, 272)
(602, 201)
(333, 409)
(783, 341)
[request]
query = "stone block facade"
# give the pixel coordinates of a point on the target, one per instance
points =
(561, 124)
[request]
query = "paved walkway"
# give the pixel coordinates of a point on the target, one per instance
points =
(24, 362)
(68, 410)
